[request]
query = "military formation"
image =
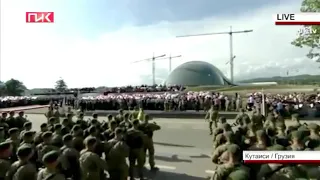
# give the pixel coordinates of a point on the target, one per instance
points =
(253, 131)
(81, 149)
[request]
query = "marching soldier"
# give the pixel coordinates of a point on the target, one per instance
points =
(5, 153)
(22, 169)
(20, 120)
(232, 168)
(57, 136)
(56, 115)
(92, 166)
(135, 140)
(116, 153)
(148, 129)
(49, 113)
(135, 113)
(120, 117)
(38, 136)
(242, 115)
(126, 123)
(212, 116)
(14, 139)
(77, 141)
(2, 135)
(11, 120)
(257, 118)
(70, 158)
(46, 146)
(51, 170)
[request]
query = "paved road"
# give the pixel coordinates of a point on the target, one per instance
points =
(183, 148)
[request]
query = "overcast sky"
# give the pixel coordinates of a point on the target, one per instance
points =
(92, 43)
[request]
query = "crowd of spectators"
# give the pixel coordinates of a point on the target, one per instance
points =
(144, 88)
(285, 103)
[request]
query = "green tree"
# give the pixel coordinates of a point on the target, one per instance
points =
(309, 36)
(14, 87)
(2, 88)
(61, 85)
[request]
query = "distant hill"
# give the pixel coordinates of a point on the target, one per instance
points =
(304, 79)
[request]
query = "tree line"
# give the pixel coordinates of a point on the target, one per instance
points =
(297, 80)
(14, 87)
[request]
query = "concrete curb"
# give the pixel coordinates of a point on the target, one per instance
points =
(171, 115)
(21, 108)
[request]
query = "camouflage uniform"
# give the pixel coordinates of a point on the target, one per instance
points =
(212, 116)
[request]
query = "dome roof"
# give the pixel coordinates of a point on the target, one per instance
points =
(196, 73)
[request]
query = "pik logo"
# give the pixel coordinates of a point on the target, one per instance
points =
(39, 17)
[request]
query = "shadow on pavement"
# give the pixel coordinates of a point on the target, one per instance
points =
(201, 156)
(173, 158)
(169, 144)
(165, 175)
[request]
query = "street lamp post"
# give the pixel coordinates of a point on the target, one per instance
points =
(231, 32)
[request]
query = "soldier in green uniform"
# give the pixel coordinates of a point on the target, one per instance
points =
(2, 135)
(4, 117)
(230, 139)
(69, 112)
(261, 142)
(135, 140)
(26, 127)
(258, 119)
(51, 170)
(212, 116)
(27, 138)
(11, 120)
(297, 141)
(126, 123)
(46, 146)
(221, 121)
(56, 115)
(148, 129)
(14, 139)
(5, 153)
(116, 153)
(109, 133)
(20, 119)
(3, 124)
(119, 118)
(92, 166)
(270, 121)
(77, 141)
(80, 121)
(134, 114)
(232, 168)
(49, 113)
(65, 129)
(295, 121)
(278, 116)
(38, 135)
(95, 117)
(70, 121)
(242, 115)
(313, 139)
(281, 136)
(70, 158)
(57, 136)
(23, 169)
(52, 122)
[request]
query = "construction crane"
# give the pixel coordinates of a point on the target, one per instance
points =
(231, 32)
(153, 66)
(170, 61)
